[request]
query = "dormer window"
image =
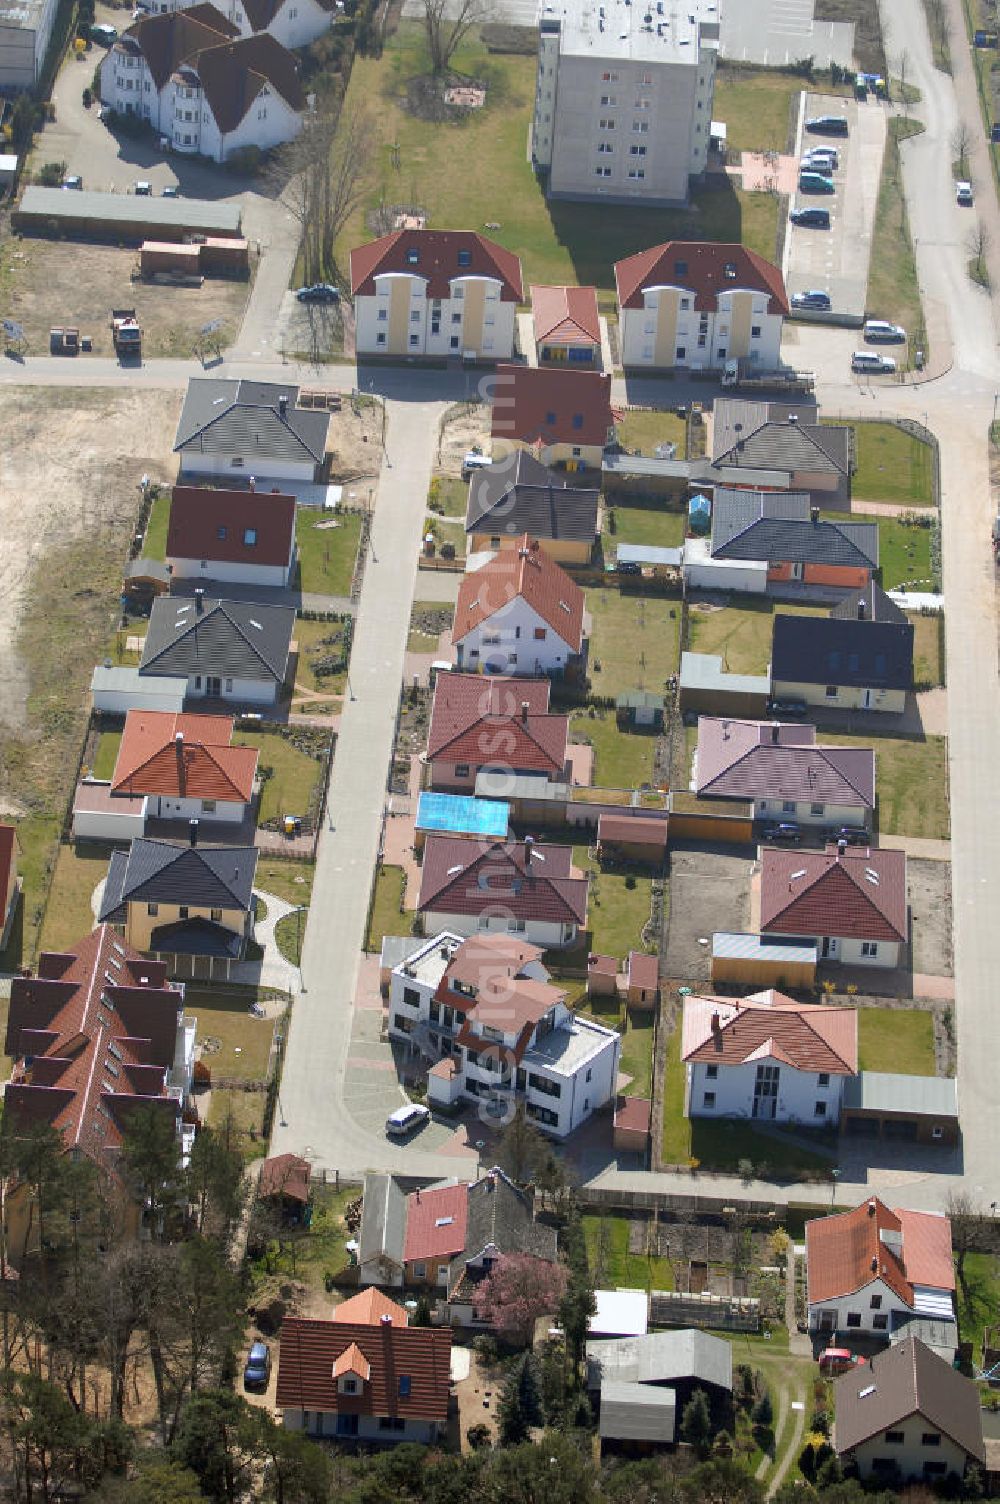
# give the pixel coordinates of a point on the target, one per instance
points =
(680, 268)
(405, 1385)
(221, 534)
(413, 257)
(465, 258)
(250, 536)
(550, 419)
(349, 1386)
(729, 269)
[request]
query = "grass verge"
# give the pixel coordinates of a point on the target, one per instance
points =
(388, 916)
(893, 290)
(896, 1039)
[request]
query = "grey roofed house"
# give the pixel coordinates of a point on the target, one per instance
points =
(383, 1230)
(904, 1380)
(520, 495)
(204, 877)
(222, 417)
(776, 436)
(637, 1412)
(231, 639)
(499, 1216)
(781, 529)
(661, 1358)
(846, 652)
(869, 604)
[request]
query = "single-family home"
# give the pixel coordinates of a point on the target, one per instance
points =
(776, 436)
(293, 23)
(781, 540)
(191, 905)
(852, 899)
(767, 1057)
(495, 722)
(372, 1382)
(521, 888)
(435, 1232)
(383, 1230)
(208, 91)
(226, 650)
(519, 614)
(908, 1416)
(779, 767)
(874, 1269)
(240, 537)
(499, 1221)
(250, 428)
(845, 660)
(283, 1183)
(185, 766)
(564, 417)
(566, 326)
(436, 293)
(10, 883)
(696, 304)
(96, 1035)
(517, 495)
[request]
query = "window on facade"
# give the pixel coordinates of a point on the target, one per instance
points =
(894, 1438)
(454, 342)
(577, 451)
(350, 1386)
(208, 806)
(411, 997)
(931, 1439)
(637, 151)
(183, 911)
(605, 149)
(392, 1423)
(708, 1100)
(641, 127)
(419, 1269)
(832, 691)
(414, 341)
(380, 339)
(250, 537)
(755, 331)
(869, 948)
(602, 172)
(876, 1303)
(609, 99)
(680, 353)
(823, 1079)
(819, 1111)
(216, 916)
(788, 806)
(383, 315)
(609, 78)
(152, 909)
(853, 1318)
(637, 173)
(540, 634)
(880, 1323)
(607, 123)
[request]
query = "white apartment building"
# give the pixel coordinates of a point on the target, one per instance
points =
(623, 101)
(483, 1010)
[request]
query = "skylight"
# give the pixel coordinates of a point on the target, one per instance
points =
(256, 624)
(444, 1221)
(872, 876)
(796, 875)
(869, 1389)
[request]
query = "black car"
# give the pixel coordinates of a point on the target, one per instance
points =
(790, 710)
(854, 835)
(817, 219)
(828, 125)
(787, 831)
(628, 566)
(321, 292)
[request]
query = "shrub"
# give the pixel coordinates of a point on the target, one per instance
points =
(51, 174)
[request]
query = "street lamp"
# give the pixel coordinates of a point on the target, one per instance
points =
(298, 912)
(833, 1193)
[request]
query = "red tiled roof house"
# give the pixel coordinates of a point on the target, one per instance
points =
(696, 304)
(435, 293)
(236, 537)
(435, 1234)
(522, 888)
(520, 614)
(563, 417)
(479, 722)
(872, 1269)
(851, 898)
(767, 1058)
(566, 325)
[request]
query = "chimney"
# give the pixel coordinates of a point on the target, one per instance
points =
(861, 610)
(529, 841)
(283, 406)
(871, 1208)
(775, 729)
(716, 1031)
(524, 712)
(841, 848)
(874, 1264)
(385, 1319)
(814, 516)
(253, 484)
(199, 601)
(178, 740)
(417, 1197)
(793, 417)
(192, 833)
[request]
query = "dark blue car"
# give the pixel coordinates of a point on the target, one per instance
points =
(258, 1367)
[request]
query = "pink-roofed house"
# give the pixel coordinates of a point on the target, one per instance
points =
(784, 772)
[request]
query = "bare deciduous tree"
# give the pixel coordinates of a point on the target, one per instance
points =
(966, 1233)
(979, 244)
(447, 23)
(937, 25)
(961, 140)
(326, 167)
(903, 73)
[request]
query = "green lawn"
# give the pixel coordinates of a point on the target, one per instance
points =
(911, 780)
(617, 912)
(244, 1111)
(289, 933)
(291, 881)
(892, 465)
(622, 759)
(320, 645)
(558, 242)
(634, 641)
(740, 635)
(641, 432)
(979, 1303)
(235, 1044)
(757, 105)
(904, 552)
(69, 916)
(637, 1055)
(307, 1256)
(900, 1040)
(155, 542)
(293, 778)
(653, 525)
(449, 495)
(107, 754)
(611, 1264)
(37, 848)
(893, 292)
(928, 649)
(328, 547)
(388, 917)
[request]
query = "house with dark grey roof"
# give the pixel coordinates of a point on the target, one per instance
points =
(775, 436)
(847, 661)
(500, 1219)
(250, 428)
(190, 905)
(383, 1230)
(640, 1385)
(518, 495)
(225, 650)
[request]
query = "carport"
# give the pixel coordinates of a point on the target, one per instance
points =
(901, 1109)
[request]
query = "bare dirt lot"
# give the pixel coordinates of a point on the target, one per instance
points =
(355, 443)
(71, 283)
(464, 428)
(709, 890)
(929, 885)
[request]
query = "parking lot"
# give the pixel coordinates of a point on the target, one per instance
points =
(709, 890)
(835, 261)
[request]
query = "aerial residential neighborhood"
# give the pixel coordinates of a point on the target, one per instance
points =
(498, 819)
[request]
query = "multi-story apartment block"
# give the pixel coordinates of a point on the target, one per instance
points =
(623, 103)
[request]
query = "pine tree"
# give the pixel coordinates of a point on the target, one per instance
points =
(696, 1422)
(520, 1403)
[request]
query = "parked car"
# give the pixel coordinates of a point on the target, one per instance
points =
(257, 1369)
(867, 360)
(836, 1360)
(627, 566)
(72, 182)
(963, 194)
(828, 125)
(104, 35)
(171, 191)
(787, 832)
(787, 710)
(828, 156)
(815, 219)
(881, 332)
(816, 182)
(812, 299)
(405, 1119)
(854, 835)
(143, 189)
(319, 292)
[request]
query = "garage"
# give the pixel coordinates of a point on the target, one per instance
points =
(901, 1109)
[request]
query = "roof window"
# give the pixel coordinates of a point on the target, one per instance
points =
(680, 268)
(413, 257)
(465, 258)
(405, 1385)
(578, 420)
(550, 418)
(729, 269)
(250, 536)
(221, 532)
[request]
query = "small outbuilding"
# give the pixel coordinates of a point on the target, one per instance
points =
(632, 838)
(602, 976)
(284, 1181)
(619, 1313)
(631, 1124)
(639, 708)
(763, 960)
(642, 979)
(637, 1419)
(907, 1109)
(708, 689)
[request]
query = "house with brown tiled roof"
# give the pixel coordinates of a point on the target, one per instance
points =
(376, 1382)
(235, 537)
(563, 417)
(522, 888)
(694, 304)
(293, 23)
(485, 722)
(851, 898)
(784, 772)
(875, 1268)
(98, 1034)
(208, 91)
(767, 1058)
(566, 326)
(519, 614)
(436, 293)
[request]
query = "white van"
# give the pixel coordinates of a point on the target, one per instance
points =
(405, 1119)
(867, 360)
(880, 332)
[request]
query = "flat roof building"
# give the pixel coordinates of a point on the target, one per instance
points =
(25, 32)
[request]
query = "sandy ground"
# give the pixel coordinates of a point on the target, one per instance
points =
(459, 434)
(929, 885)
(355, 440)
(70, 463)
(55, 282)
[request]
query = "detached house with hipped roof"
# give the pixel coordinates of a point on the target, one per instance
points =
(776, 437)
(521, 888)
(482, 722)
(96, 1036)
(240, 537)
(767, 1058)
(860, 657)
(207, 90)
(875, 1269)
(226, 650)
(696, 304)
(782, 770)
(435, 293)
(517, 495)
(563, 417)
(852, 899)
(520, 614)
(251, 429)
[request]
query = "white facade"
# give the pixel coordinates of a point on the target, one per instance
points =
(269, 576)
(702, 572)
(119, 690)
(107, 824)
(296, 24)
(330, 1424)
(183, 116)
(514, 640)
(160, 807)
(873, 1308)
(766, 1090)
(803, 813)
(670, 331)
(213, 687)
(623, 101)
(225, 466)
(853, 952)
(910, 1450)
(549, 934)
(400, 319)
